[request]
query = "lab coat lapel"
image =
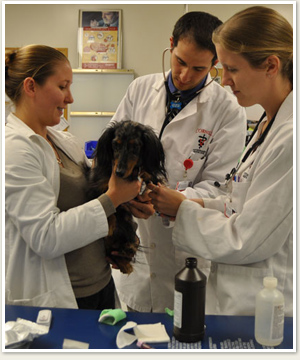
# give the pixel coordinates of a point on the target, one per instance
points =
(159, 104)
(19, 126)
(69, 144)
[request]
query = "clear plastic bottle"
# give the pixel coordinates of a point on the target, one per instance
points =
(269, 314)
(189, 303)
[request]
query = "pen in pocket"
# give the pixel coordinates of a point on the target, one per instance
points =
(237, 178)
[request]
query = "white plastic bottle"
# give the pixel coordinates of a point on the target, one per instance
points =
(269, 314)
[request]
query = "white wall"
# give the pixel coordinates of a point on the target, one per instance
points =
(146, 29)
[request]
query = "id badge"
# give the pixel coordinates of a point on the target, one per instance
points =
(182, 185)
(228, 209)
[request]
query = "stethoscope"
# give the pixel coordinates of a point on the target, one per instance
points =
(166, 81)
(253, 147)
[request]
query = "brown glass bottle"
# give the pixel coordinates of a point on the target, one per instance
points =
(189, 303)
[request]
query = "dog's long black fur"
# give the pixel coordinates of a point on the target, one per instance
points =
(132, 150)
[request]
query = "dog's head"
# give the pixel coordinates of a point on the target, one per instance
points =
(127, 147)
(131, 149)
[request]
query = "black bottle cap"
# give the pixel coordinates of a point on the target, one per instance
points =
(191, 262)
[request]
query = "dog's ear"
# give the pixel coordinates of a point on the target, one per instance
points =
(104, 152)
(153, 156)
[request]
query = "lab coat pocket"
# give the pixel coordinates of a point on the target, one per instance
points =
(237, 287)
(42, 300)
(189, 175)
(239, 193)
(193, 172)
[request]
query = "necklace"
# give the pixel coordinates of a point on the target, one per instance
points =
(58, 159)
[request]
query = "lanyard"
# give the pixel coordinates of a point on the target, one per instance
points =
(254, 146)
(177, 100)
(175, 103)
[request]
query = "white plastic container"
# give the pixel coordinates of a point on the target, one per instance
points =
(269, 314)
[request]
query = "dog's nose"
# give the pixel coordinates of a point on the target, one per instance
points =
(120, 172)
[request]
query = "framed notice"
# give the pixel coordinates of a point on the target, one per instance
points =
(100, 39)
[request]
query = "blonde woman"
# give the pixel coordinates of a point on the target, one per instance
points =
(247, 233)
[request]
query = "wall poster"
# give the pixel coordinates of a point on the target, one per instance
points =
(100, 39)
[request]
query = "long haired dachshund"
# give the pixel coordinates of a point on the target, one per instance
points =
(133, 151)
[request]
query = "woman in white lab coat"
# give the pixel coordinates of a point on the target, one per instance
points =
(38, 235)
(247, 233)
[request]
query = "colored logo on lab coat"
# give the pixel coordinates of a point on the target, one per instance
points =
(201, 140)
(201, 143)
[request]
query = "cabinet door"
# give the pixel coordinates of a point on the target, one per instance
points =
(96, 91)
(88, 128)
(97, 94)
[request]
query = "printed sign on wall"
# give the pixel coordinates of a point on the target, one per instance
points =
(99, 39)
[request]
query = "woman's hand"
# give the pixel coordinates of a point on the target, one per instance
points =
(141, 207)
(166, 201)
(121, 191)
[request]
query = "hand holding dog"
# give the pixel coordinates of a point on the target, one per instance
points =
(121, 191)
(166, 201)
(141, 207)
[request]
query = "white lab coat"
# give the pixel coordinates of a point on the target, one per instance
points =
(37, 235)
(257, 240)
(213, 115)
